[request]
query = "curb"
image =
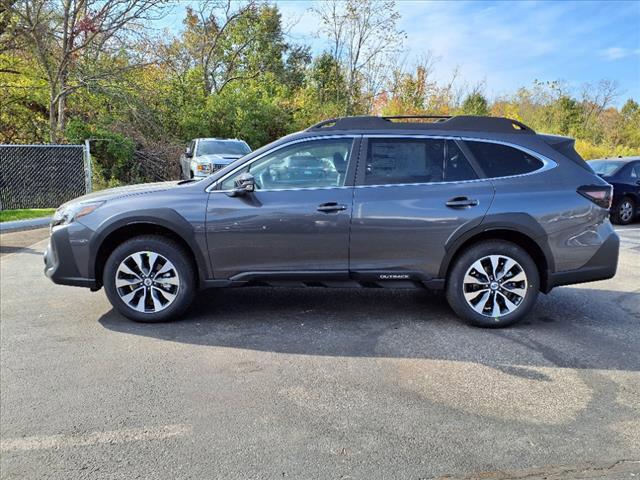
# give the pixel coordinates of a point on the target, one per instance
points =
(19, 225)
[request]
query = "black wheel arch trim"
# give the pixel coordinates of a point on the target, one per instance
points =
(161, 217)
(519, 223)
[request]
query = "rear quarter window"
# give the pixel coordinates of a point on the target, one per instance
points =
(497, 160)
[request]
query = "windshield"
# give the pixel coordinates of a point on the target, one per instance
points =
(222, 147)
(606, 168)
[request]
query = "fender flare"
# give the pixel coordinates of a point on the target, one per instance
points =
(520, 223)
(163, 217)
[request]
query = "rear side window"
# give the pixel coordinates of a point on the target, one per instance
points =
(411, 160)
(499, 160)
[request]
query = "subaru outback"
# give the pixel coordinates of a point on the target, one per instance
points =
(483, 208)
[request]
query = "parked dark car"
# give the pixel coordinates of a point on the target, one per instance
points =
(624, 175)
(484, 208)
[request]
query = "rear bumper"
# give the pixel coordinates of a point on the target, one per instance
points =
(601, 266)
(60, 258)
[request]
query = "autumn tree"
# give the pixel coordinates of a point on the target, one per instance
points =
(68, 38)
(362, 35)
(228, 42)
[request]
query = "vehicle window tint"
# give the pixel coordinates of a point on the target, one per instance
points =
(606, 168)
(501, 160)
(222, 147)
(312, 164)
(456, 166)
(411, 160)
(635, 171)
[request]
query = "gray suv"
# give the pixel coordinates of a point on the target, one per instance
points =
(484, 208)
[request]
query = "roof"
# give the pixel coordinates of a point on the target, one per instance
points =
(417, 122)
(617, 159)
(220, 139)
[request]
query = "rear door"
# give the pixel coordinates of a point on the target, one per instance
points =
(296, 221)
(412, 194)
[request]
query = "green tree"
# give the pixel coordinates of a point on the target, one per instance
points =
(475, 104)
(66, 37)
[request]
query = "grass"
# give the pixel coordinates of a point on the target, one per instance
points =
(25, 213)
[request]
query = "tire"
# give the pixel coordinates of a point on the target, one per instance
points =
(520, 293)
(156, 281)
(624, 212)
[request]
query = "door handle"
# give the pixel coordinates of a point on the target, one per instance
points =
(462, 202)
(331, 207)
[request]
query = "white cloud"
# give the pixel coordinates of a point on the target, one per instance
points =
(299, 22)
(504, 44)
(616, 53)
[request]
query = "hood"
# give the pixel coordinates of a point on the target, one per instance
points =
(111, 193)
(220, 159)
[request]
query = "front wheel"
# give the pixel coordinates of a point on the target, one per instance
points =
(150, 279)
(493, 284)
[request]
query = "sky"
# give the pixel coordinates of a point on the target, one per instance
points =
(505, 45)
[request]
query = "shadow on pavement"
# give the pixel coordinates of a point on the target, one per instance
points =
(21, 242)
(8, 249)
(571, 328)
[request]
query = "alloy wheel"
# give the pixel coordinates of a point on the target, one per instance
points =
(147, 282)
(626, 211)
(495, 285)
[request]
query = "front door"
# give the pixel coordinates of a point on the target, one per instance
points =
(296, 221)
(412, 194)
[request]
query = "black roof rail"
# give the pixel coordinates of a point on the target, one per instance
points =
(442, 122)
(438, 118)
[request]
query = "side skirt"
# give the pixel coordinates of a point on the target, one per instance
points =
(329, 279)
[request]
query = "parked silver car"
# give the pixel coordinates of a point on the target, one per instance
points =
(203, 156)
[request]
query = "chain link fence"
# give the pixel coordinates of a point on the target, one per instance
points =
(43, 176)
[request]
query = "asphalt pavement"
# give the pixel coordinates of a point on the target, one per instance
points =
(316, 383)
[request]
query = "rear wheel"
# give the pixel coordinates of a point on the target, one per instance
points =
(493, 284)
(149, 279)
(624, 211)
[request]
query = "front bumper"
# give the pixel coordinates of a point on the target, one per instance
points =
(601, 266)
(65, 260)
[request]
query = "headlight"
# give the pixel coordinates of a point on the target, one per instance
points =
(73, 211)
(204, 167)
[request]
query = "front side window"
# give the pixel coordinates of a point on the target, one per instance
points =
(497, 160)
(414, 160)
(312, 164)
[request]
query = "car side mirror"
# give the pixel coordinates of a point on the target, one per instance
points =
(245, 183)
(187, 153)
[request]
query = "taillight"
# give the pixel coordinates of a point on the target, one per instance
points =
(601, 195)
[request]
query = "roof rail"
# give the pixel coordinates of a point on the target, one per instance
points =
(438, 118)
(442, 122)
